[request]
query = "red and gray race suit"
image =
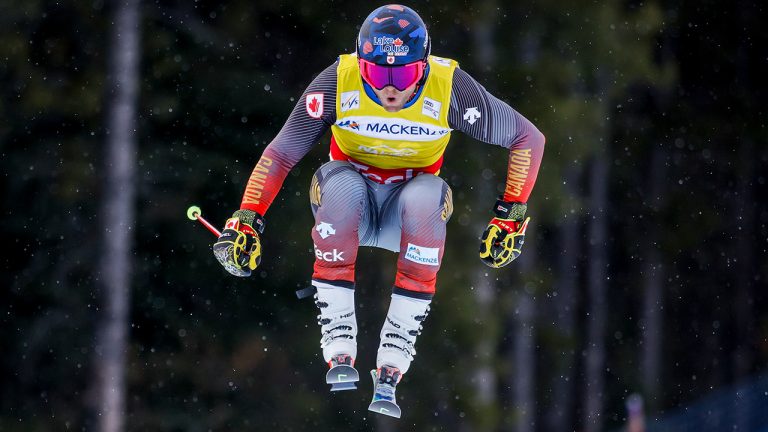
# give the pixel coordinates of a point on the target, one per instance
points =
(408, 216)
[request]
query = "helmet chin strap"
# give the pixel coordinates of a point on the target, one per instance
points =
(415, 92)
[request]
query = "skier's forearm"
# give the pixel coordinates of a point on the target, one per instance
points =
(524, 161)
(265, 181)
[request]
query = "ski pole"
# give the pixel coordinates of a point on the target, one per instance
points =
(194, 213)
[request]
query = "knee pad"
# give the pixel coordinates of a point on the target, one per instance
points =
(336, 181)
(339, 198)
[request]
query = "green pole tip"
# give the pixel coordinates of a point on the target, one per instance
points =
(193, 212)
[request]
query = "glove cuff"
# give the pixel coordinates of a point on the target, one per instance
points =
(512, 211)
(251, 218)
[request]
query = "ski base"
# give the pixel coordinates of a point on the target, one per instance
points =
(342, 377)
(385, 407)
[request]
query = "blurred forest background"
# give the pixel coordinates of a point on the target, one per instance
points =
(643, 276)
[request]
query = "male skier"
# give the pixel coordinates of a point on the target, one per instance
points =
(391, 107)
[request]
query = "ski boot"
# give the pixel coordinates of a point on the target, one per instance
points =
(338, 328)
(384, 381)
(342, 375)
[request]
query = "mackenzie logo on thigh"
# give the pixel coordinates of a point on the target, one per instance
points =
(422, 255)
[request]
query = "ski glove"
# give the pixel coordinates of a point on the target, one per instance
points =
(503, 239)
(238, 248)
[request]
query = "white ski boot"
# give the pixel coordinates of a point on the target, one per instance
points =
(338, 327)
(396, 350)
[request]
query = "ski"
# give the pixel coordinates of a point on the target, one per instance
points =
(342, 377)
(383, 401)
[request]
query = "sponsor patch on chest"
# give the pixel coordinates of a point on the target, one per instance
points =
(350, 100)
(431, 108)
(392, 129)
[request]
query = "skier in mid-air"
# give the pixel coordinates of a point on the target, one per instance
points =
(391, 108)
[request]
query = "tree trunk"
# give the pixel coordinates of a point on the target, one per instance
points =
(744, 222)
(560, 415)
(484, 376)
(117, 217)
(653, 324)
(596, 280)
(743, 305)
(745, 215)
(653, 288)
(524, 354)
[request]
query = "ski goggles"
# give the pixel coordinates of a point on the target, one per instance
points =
(401, 76)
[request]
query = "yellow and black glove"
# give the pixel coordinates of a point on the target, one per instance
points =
(238, 248)
(503, 239)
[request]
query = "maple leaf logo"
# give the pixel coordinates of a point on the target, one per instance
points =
(314, 105)
(398, 42)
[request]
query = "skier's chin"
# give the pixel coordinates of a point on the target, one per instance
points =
(392, 104)
(393, 100)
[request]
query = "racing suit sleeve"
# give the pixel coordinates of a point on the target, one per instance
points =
(313, 114)
(482, 116)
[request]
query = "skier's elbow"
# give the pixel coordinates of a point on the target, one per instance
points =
(533, 140)
(538, 139)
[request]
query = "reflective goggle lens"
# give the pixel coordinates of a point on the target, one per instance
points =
(401, 76)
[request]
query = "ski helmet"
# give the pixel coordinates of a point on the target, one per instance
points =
(393, 35)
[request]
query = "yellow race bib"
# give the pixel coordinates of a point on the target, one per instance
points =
(414, 137)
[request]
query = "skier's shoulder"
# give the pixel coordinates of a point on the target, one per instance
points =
(442, 68)
(326, 80)
(444, 62)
